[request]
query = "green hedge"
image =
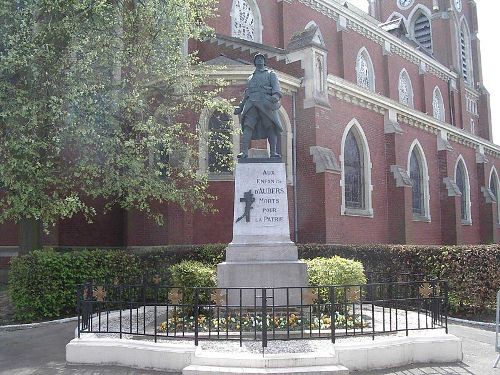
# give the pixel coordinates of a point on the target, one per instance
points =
(473, 271)
(42, 284)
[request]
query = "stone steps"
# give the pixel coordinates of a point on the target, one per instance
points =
(286, 360)
(310, 370)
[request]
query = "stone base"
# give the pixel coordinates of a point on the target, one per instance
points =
(264, 252)
(263, 274)
(353, 354)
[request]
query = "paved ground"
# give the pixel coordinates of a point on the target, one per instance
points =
(40, 351)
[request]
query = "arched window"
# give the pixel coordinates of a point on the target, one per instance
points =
(405, 89)
(438, 105)
(246, 21)
(462, 181)
(417, 169)
(465, 52)
(495, 190)
(353, 173)
(422, 31)
(219, 143)
(365, 76)
(356, 176)
(416, 181)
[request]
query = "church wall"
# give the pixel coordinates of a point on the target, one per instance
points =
(293, 24)
(470, 234)
(106, 230)
(356, 229)
(218, 227)
(310, 185)
(430, 81)
(421, 232)
(9, 234)
(353, 42)
(144, 231)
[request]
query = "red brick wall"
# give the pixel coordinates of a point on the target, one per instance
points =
(9, 233)
(106, 229)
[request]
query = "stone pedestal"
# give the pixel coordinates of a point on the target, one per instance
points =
(261, 254)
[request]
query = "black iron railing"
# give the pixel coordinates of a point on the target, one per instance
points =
(164, 312)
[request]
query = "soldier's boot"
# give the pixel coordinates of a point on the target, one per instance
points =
(245, 143)
(273, 140)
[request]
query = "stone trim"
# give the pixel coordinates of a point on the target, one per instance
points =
(401, 176)
(324, 159)
(347, 91)
(453, 190)
(489, 197)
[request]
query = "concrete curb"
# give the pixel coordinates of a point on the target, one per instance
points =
(473, 323)
(19, 327)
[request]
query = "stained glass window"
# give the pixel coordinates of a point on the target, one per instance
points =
(494, 190)
(362, 72)
(353, 173)
(243, 26)
(417, 184)
(405, 94)
(462, 185)
(437, 105)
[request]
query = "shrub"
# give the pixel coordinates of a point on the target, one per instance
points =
(192, 274)
(42, 284)
(473, 271)
(334, 271)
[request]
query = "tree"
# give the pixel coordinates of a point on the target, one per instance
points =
(94, 102)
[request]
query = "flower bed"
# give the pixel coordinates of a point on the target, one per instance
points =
(249, 322)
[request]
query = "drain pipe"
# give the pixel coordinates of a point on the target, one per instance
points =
(294, 168)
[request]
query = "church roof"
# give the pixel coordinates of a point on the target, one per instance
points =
(307, 37)
(394, 26)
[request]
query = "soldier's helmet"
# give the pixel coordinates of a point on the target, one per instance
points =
(261, 55)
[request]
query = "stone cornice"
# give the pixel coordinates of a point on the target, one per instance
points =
(349, 92)
(370, 30)
(252, 47)
(238, 75)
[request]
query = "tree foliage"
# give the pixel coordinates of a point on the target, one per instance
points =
(95, 102)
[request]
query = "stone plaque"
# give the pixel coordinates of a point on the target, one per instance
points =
(261, 204)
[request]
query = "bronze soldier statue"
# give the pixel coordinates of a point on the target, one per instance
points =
(259, 109)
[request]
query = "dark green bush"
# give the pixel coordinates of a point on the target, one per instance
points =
(43, 284)
(473, 271)
(190, 274)
(334, 271)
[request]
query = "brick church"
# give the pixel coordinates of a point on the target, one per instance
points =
(387, 128)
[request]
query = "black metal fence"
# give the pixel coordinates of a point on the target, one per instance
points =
(163, 312)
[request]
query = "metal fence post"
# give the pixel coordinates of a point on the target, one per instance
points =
(497, 331)
(196, 317)
(78, 302)
(264, 318)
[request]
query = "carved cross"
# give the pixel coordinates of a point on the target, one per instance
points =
(248, 199)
